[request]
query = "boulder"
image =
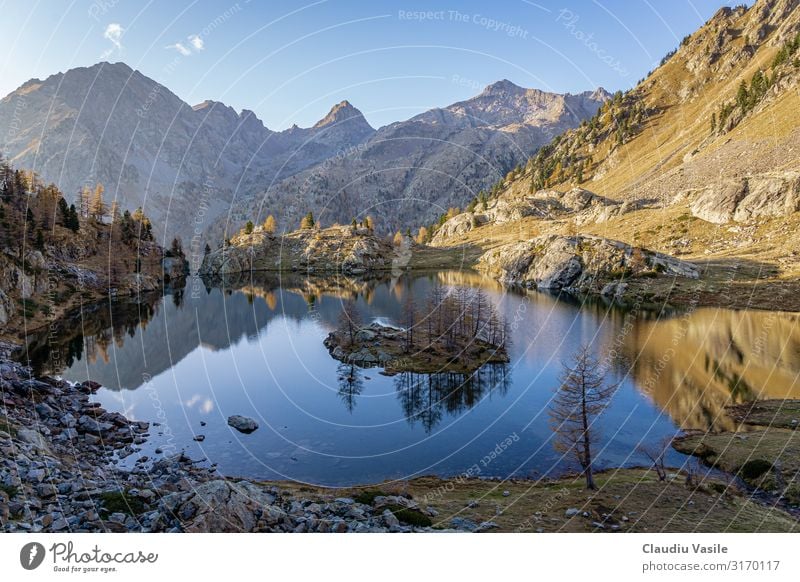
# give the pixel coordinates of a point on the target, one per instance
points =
(224, 506)
(242, 423)
(34, 438)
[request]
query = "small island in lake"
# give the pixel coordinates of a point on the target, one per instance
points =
(456, 332)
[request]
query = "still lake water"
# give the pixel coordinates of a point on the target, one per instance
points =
(257, 350)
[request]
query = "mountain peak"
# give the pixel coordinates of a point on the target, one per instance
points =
(503, 86)
(340, 112)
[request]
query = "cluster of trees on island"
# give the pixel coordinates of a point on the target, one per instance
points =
(451, 318)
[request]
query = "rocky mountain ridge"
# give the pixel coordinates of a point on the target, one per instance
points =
(210, 167)
(409, 172)
(111, 124)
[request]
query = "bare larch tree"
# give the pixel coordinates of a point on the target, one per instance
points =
(580, 399)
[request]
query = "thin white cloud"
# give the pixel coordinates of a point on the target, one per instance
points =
(113, 33)
(195, 45)
(180, 48)
(196, 42)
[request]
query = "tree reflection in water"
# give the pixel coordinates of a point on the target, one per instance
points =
(351, 384)
(425, 398)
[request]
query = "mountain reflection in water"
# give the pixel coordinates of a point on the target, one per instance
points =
(253, 346)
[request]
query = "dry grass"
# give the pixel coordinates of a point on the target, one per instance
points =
(627, 500)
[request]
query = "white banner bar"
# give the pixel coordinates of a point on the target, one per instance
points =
(354, 557)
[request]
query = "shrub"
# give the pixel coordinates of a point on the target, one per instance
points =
(410, 516)
(120, 502)
(754, 469)
(9, 490)
(367, 497)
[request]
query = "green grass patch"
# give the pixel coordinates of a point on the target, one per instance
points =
(120, 502)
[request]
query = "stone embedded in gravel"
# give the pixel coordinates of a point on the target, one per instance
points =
(390, 518)
(463, 524)
(242, 423)
(34, 438)
(570, 512)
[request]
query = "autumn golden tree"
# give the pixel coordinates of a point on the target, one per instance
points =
(422, 235)
(97, 207)
(308, 221)
(270, 225)
(581, 398)
(398, 239)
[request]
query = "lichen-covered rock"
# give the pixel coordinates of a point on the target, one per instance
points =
(586, 207)
(717, 203)
(579, 263)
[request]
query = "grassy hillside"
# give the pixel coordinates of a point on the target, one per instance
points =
(722, 108)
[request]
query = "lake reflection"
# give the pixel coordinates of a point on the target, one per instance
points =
(693, 365)
(255, 348)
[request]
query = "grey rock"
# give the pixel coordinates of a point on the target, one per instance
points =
(390, 518)
(34, 438)
(242, 423)
(463, 524)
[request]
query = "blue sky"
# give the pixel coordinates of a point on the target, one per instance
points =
(290, 61)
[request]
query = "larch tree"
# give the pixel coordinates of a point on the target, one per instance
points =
(83, 201)
(97, 207)
(308, 221)
(350, 321)
(269, 225)
(580, 399)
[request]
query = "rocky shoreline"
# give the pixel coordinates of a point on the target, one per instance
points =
(58, 474)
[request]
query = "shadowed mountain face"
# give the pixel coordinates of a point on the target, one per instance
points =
(187, 166)
(410, 172)
(108, 123)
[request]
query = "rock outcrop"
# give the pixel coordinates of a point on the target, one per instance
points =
(583, 206)
(750, 198)
(576, 263)
(338, 249)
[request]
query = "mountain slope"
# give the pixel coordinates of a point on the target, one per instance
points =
(108, 123)
(683, 127)
(409, 171)
(700, 159)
